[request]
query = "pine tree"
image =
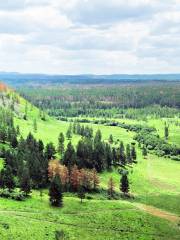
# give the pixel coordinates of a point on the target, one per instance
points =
(81, 193)
(111, 186)
(122, 156)
(69, 158)
(128, 154)
(124, 184)
(55, 192)
(35, 125)
(133, 153)
(50, 151)
(25, 183)
(111, 139)
(61, 144)
(98, 137)
(166, 131)
(144, 152)
(69, 132)
(8, 178)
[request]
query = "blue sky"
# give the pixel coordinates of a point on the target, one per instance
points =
(90, 36)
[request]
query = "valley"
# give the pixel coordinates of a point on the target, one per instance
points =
(151, 213)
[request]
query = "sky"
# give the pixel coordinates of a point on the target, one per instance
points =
(90, 36)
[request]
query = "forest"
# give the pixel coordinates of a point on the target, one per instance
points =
(129, 101)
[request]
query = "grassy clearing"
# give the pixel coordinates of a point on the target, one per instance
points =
(104, 219)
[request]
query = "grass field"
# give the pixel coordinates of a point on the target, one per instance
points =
(93, 219)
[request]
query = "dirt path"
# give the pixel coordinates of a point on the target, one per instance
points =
(158, 212)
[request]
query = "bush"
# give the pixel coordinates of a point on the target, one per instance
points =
(15, 195)
(176, 158)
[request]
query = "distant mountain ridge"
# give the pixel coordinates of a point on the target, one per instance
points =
(16, 79)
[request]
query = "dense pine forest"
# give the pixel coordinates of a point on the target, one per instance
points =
(130, 101)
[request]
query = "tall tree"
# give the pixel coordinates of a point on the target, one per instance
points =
(69, 158)
(25, 183)
(111, 188)
(55, 192)
(122, 156)
(124, 184)
(61, 140)
(81, 193)
(144, 151)
(166, 131)
(128, 154)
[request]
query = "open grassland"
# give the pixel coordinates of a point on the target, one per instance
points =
(93, 219)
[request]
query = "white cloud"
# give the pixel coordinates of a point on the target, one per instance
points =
(90, 36)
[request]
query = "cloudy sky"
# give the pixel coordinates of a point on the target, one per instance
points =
(90, 36)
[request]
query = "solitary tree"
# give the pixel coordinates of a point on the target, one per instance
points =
(69, 132)
(81, 193)
(166, 131)
(111, 139)
(144, 152)
(35, 125)
(124, 184)
(111, 191)
(55, 192)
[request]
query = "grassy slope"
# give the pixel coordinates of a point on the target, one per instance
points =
(154, 181)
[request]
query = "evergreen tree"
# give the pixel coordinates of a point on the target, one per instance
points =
(25, 183)
(35, 125)
(55, 192)
(109, 157)
(81, 193)
(50, 151)
(166, 131)
(133, 153)
(61, 144)
(144, 151)
(69, 132)
(98, 137)
(69, 158)
(124, 184)
(128, 154)
(8, 178)
(122, 156)
(111, 190)
(111, 139)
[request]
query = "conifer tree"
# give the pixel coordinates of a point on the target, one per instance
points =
(128, 154)
(122, 156)
(111, 139)
(8, 178)
(61, 144)
(111, 190)
(133, 153)
(25, 183)
(144, 152)
(35, 125)
(81, 193)
(124, 184)
(55, 192)
(69, 158)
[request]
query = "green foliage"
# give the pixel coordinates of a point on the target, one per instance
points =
(55, 192)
